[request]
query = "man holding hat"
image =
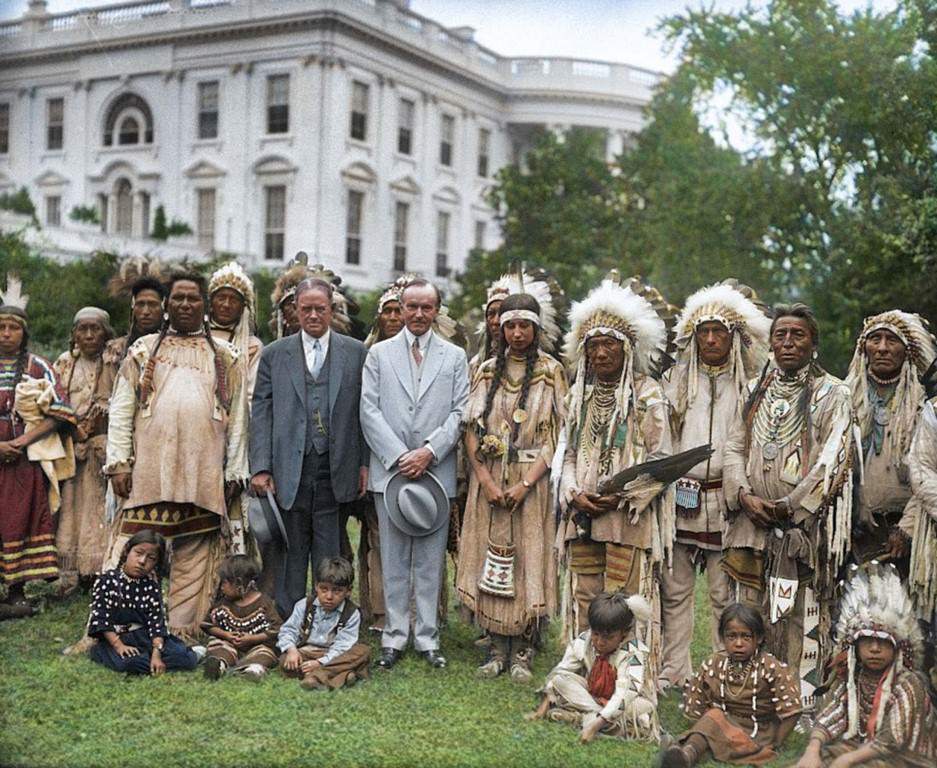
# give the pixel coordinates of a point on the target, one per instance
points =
(306, 445)
(414, 390)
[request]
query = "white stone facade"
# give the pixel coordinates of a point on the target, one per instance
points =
(272, 126)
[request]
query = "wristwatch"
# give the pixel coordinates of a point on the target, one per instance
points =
(525, 483)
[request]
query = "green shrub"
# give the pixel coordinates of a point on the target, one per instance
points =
(85, 213)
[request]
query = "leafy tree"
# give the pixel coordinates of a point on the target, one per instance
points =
(159, 225)
(841, 111)
(564, 210)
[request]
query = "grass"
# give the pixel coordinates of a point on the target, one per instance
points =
(64, 711)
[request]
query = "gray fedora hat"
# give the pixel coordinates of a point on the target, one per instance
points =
(417, 507)
(265, 521)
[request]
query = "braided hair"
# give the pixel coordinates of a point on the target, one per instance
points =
(515, 301)
(22, 360)
(146, 536)
(221, 379)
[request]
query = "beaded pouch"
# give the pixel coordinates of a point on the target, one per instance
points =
(687, 497)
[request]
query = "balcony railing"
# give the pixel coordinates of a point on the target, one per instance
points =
(162, 16)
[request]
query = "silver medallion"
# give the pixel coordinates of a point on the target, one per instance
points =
(882, 416)
(770, 451)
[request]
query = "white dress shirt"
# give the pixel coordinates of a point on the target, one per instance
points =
(309, 348)
(423, 341)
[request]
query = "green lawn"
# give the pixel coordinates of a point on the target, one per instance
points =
(62, 711)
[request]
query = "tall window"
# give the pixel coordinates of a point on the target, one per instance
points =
(124, 221)
(129, 131)
(479, 235)
(208, 110)
(53, 210)
(274, 222)
(446, 137)
(55, 123)
(206, 219)
(484, 147)
(401, 214)
(359, 111)
(405, 109)
(353, 227)
(4, 128)
(278, 104)
(442, 244)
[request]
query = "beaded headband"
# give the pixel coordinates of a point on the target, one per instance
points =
(520, 314)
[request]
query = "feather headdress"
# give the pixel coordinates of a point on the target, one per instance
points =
(444, 324)
(285, 288)
(132, 269)
(544, 288)
(921, 351)
(619, 312)
(737, 308)
(876, 604)
(233, 276)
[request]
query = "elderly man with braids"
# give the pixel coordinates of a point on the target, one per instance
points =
(892, 353)
(616, 417)
(722, 343)
(32, 408)
(788, 485)
(176, 448)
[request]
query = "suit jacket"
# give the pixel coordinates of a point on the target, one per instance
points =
(278, 416)
(395, 419)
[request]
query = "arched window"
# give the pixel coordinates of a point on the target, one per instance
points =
(129, 131)
(129, 111)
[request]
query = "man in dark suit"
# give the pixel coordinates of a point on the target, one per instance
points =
(306, 443)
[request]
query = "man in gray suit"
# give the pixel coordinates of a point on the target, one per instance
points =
(305, 439)
(414, 390)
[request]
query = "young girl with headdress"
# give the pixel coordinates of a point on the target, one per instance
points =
(878, 713)
(127, 616)
(743, 701)
(601, 683)
(507, 570)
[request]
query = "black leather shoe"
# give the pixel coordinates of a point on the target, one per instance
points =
(389, 657)
(435, 659)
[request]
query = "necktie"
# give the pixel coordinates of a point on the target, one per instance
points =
(417, 355)
(316, 359)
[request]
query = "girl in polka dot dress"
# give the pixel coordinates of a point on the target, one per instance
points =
(743, 701)
(127, 616)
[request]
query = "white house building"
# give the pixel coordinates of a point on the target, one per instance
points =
(356, 130)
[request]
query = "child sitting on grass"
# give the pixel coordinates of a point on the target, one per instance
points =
(743, 701)
(243, 624)
(600, 684)
(127, 617)
(878, 713)
(320, 639)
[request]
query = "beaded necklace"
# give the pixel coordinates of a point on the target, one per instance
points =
(736, 673)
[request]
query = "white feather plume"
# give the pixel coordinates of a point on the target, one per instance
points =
(13, 296)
